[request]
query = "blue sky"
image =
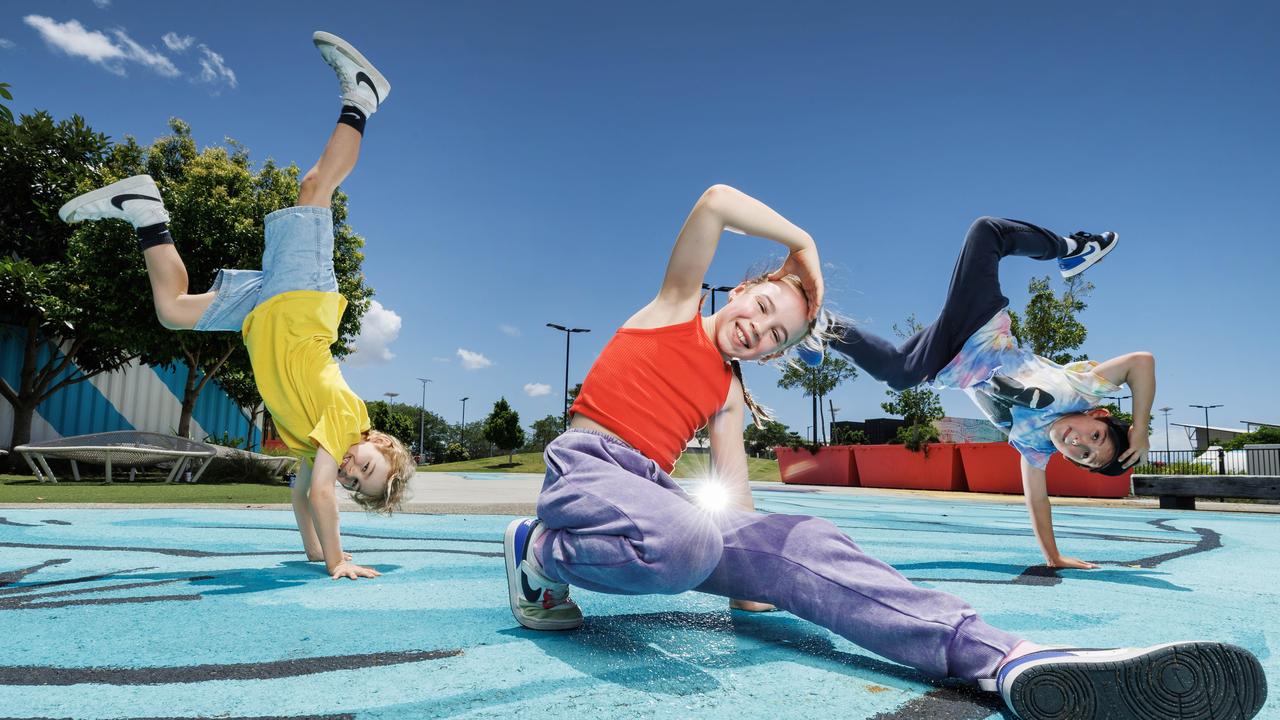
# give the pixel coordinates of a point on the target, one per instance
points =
(534, 162)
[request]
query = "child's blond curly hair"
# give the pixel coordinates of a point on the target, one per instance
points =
(400, 467)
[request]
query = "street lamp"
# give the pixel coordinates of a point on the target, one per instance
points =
(1119, 400)
(422, 418)
(568, 332)
(1206, 408)
(462, 429)
(1166, 410)
(714, 290)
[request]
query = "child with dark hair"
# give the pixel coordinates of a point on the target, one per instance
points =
(1042, 406)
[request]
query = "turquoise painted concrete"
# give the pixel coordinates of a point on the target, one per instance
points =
(197, 613)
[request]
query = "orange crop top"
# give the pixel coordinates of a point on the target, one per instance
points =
(654, 387)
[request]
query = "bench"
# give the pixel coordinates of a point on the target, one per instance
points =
(1179, 492)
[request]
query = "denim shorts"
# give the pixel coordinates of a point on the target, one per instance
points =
(298, 256)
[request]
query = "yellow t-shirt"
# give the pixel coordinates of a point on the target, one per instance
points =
(288, 338)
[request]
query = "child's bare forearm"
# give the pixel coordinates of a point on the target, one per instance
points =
(1036, 495)
(306, 526)
(742, 213)
(1141, 380)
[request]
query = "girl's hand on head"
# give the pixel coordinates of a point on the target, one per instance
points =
(804, 264)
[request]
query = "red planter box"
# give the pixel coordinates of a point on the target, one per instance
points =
(894, 466)
(1064, 478)
(997, 468)
(991, 467)
(830, 465)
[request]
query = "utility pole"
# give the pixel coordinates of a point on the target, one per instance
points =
(1166, 411)
(422, 418)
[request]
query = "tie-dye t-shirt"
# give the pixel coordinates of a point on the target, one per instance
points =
(1020, 392)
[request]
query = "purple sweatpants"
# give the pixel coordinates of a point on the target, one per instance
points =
(619, 524)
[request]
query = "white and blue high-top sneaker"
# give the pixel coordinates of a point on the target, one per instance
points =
(538, 602)
(362, 85)
(1177, 681)
(1089, 250)
(136, 199)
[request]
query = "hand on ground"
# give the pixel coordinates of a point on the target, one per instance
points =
(1062, 561)
(348, 569)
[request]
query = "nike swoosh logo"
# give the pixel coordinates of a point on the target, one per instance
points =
(120, 200)
(362, 78)
(529, 593)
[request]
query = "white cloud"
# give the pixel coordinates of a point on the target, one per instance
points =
(97, 47)
(509, 330)
(213, 69)
(378, 329)
(153, 60)
(74, 39)
(537, 389)
(6, 44)
(102, 4)
(176, 42)
(473, 360)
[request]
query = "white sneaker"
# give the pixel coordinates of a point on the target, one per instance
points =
(1177, 681)
(362, 85)
(136, 199)
(537, 602)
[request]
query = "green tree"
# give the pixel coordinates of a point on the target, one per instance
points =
(817, 382)
(455, 452)
(502, 428)
(762, 440)
(217, 202)
(384, 417)
(919, 407)
(6, 115)
(1049, 325)
(62, 313)
(1266, 434)
(543, 431)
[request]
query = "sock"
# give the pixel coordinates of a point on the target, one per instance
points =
(1072, 246)
(1024, 647)
(352, 115)
(153, 235)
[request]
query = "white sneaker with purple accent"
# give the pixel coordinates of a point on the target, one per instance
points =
(1177, 681)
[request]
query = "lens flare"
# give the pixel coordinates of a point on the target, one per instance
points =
(711, 495)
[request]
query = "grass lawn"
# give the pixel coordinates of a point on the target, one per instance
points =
(690, 465)
(25, 489)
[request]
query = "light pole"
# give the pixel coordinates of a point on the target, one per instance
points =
(568, 332)
(1206, 408)
(422, 418)
(1166, 410)
(1119, 400)
(462, 429)
(391, 396)
(714, 290)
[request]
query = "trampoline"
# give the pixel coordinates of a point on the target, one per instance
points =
(133, 449)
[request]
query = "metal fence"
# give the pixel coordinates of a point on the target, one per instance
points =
(1214, 461)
